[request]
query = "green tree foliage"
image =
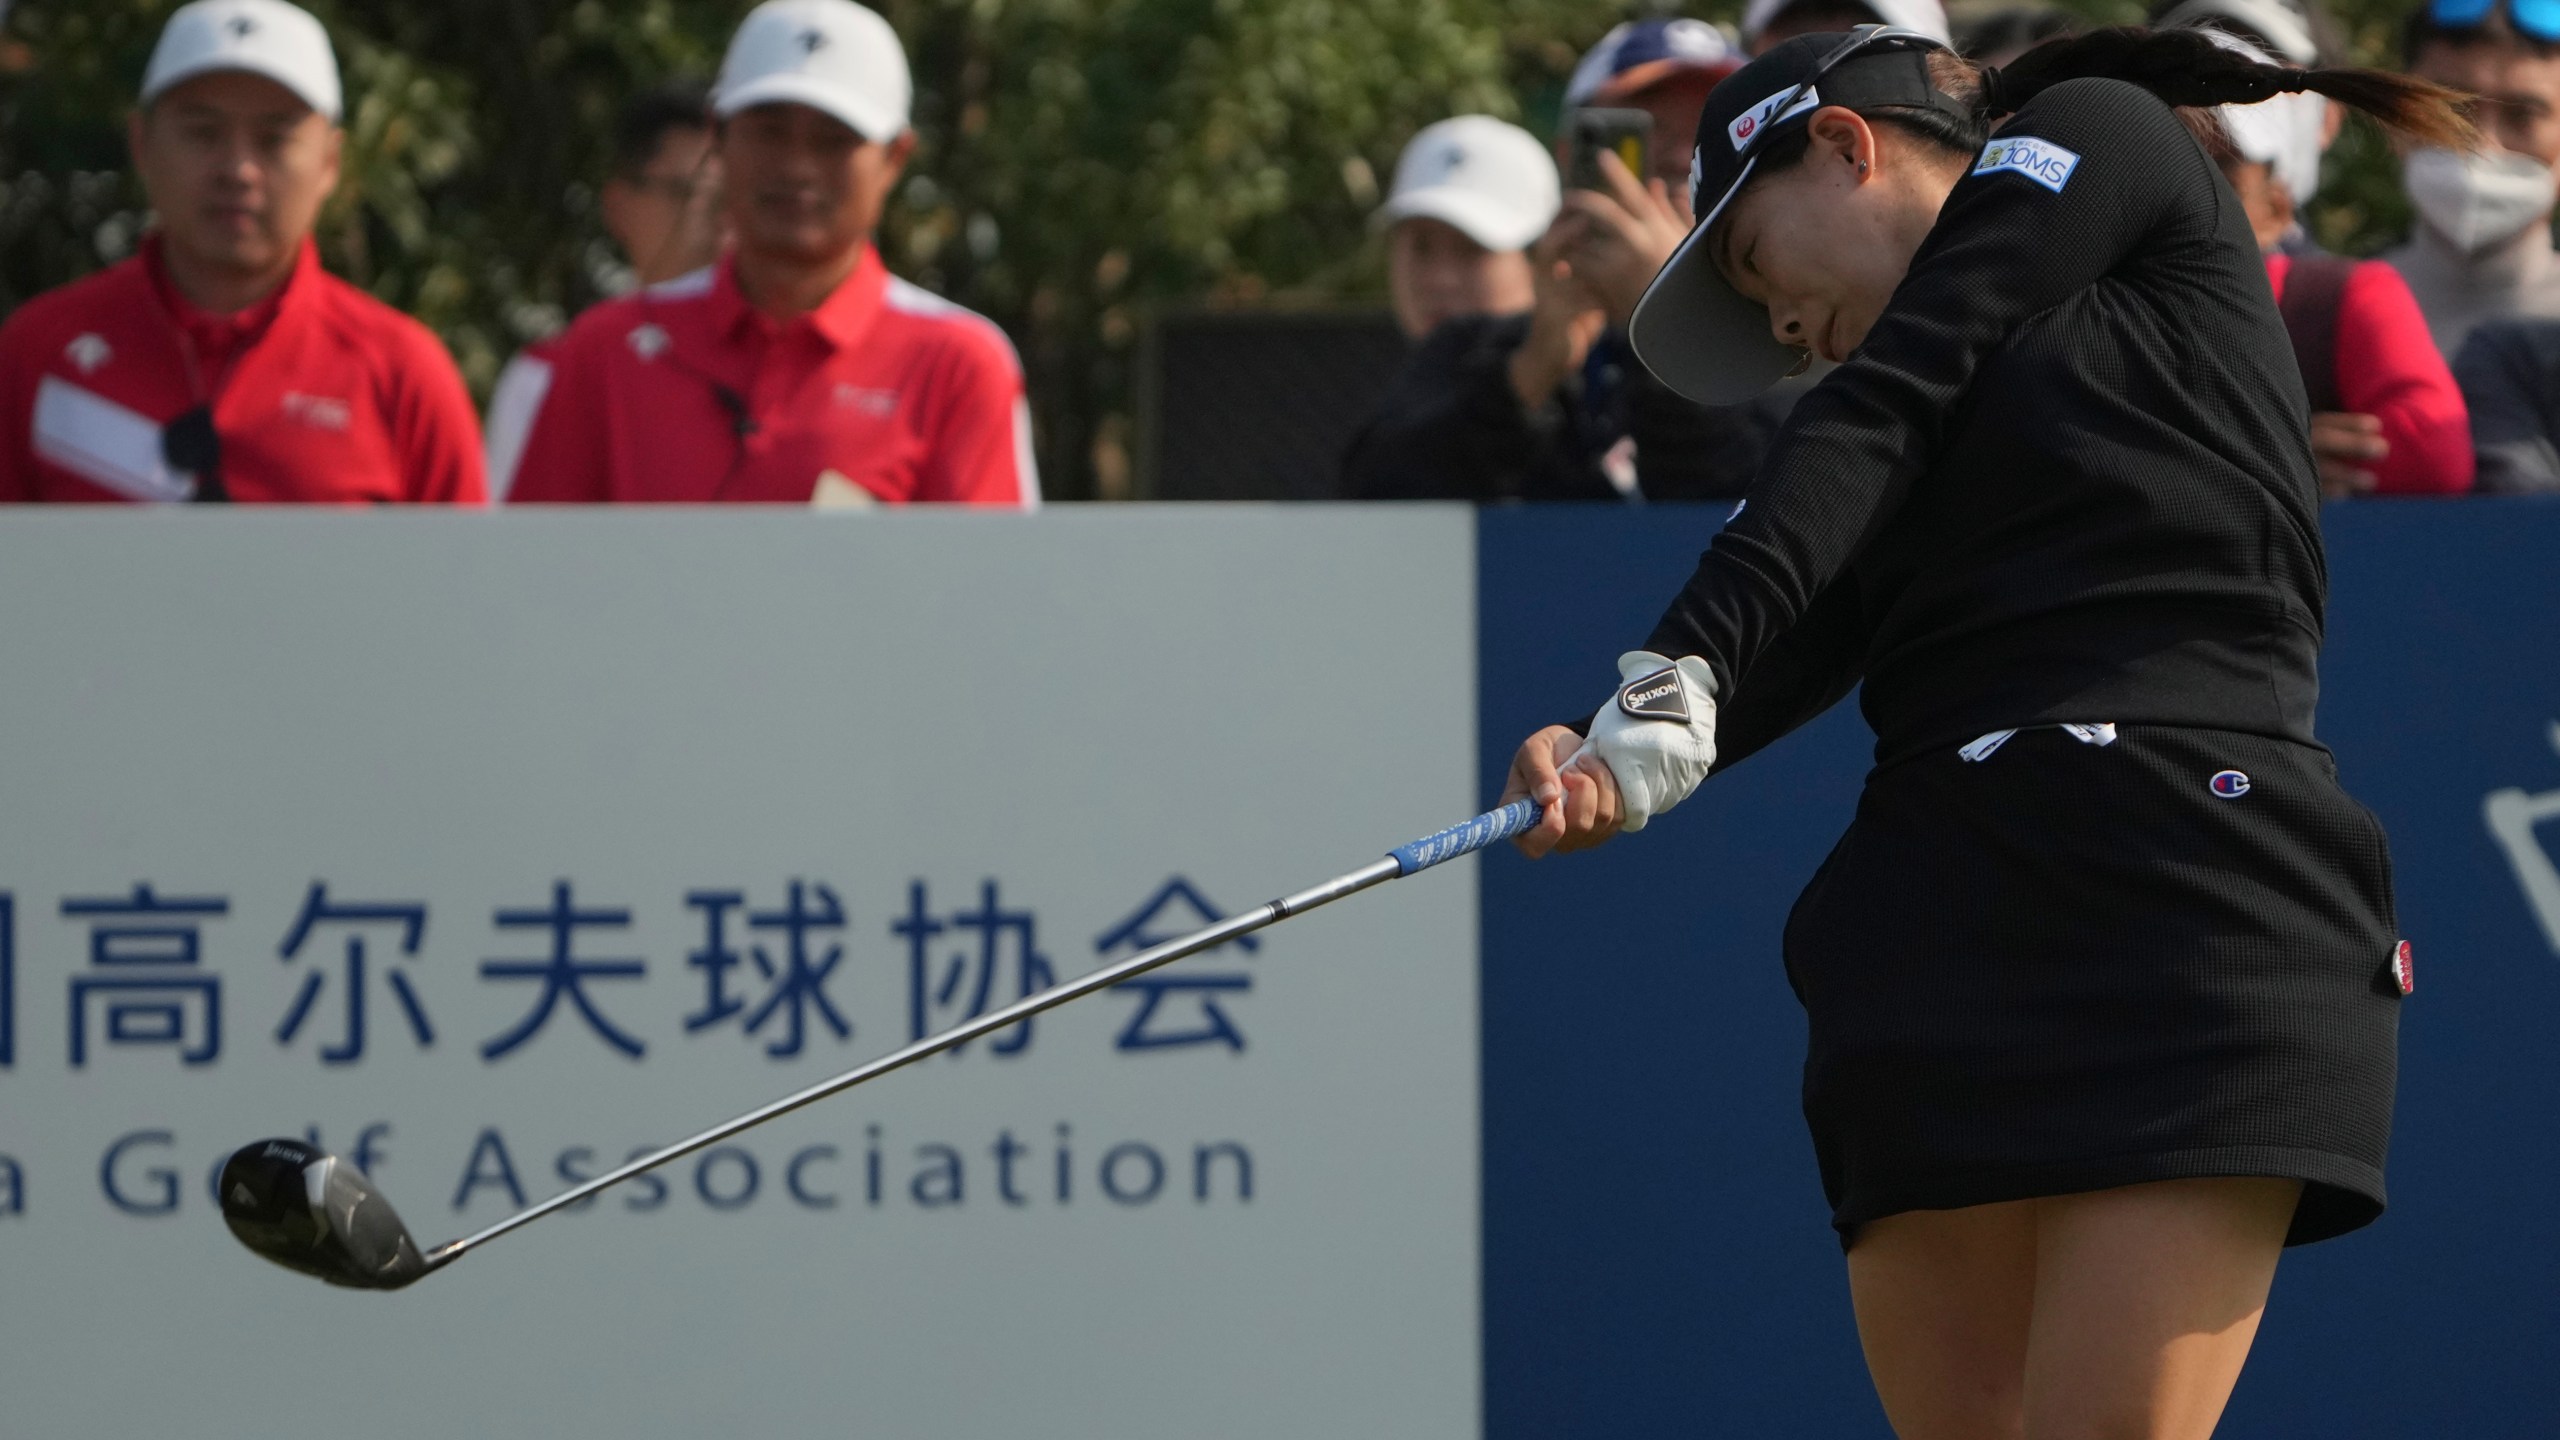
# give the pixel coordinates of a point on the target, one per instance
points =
(1081, 161)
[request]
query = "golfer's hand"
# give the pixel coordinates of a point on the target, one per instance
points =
(1581, 802)
(2347, 447)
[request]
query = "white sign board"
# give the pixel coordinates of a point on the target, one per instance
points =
(493, 847)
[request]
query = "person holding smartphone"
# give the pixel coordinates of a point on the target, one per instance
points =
(1548, 404)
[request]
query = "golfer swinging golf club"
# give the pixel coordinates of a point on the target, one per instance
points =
(2103, 980)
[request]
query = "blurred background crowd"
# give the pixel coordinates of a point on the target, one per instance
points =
(1228, 248)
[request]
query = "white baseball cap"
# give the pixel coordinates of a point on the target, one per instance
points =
(1489, 178)
(2284, 132)
(261, 37)
(831, 55)
(1928, 17)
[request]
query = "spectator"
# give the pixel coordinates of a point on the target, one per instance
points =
(2003, 35)
(1550, 405)
(222, 363)
(661, 204)
(797, 369)
(2482, 246)
(1470, 194)
(2510, 375)
(2288, 32)
(1664, 68)
(2386, 418)
(661, 208)
(1766, 22)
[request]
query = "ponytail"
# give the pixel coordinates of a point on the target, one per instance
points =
(2187, 69)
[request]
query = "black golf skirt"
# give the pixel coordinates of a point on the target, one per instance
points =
(2068, 967)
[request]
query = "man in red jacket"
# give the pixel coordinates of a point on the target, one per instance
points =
(221, 363)
(797, 370)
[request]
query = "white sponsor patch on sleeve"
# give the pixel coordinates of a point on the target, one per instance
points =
(2042, 161)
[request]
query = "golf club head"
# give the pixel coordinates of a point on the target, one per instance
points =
(308, 1210)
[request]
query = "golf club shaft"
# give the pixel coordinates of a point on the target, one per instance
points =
(1405, 860)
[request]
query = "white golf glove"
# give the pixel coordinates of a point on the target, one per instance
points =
(1657, 735)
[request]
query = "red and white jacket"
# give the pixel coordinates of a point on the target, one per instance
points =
(885, 393)
(319, 394)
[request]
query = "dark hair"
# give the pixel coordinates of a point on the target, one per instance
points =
(2182, 67)
(2015, 28)
(2328, 41)
(2494, 29)
(644, 120)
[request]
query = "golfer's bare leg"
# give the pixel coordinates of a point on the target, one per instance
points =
(1944, 1300)
(2146, 1299)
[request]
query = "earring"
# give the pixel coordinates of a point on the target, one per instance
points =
(1862, 167)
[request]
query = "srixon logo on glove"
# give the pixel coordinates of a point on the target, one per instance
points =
(1656, 764)
(1658, 696)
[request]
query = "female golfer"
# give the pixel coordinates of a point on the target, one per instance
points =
(2103, 980)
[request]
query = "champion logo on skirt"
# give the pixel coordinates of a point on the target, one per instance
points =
(2230, 784)
(2404, 970)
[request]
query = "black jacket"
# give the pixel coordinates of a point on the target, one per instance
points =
(2509, 371)
(1451, 428)
(2066, 477)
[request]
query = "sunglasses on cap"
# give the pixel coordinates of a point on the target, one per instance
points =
(2539, 19)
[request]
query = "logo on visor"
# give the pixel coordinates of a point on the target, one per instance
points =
(1772, 111)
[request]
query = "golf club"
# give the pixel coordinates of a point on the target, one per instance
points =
(308, 1210)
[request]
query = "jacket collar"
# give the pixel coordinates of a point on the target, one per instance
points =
(840, 321)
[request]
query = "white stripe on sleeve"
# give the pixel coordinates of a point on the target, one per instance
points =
(513, 407)
(1026, 469)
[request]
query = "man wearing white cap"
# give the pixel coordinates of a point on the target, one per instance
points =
(1471, 193)
(796, 370)
(1766, 22)
(221, 363)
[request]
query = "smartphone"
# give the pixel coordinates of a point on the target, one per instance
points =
(1628, 134)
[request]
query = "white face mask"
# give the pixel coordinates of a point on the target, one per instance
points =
(2480, 200)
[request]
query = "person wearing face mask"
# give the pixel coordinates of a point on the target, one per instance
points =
(2386, 417)
(2103, 982)
(2482, 246)
(1547, 404)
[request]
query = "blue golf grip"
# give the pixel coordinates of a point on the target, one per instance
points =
(1466, 839)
